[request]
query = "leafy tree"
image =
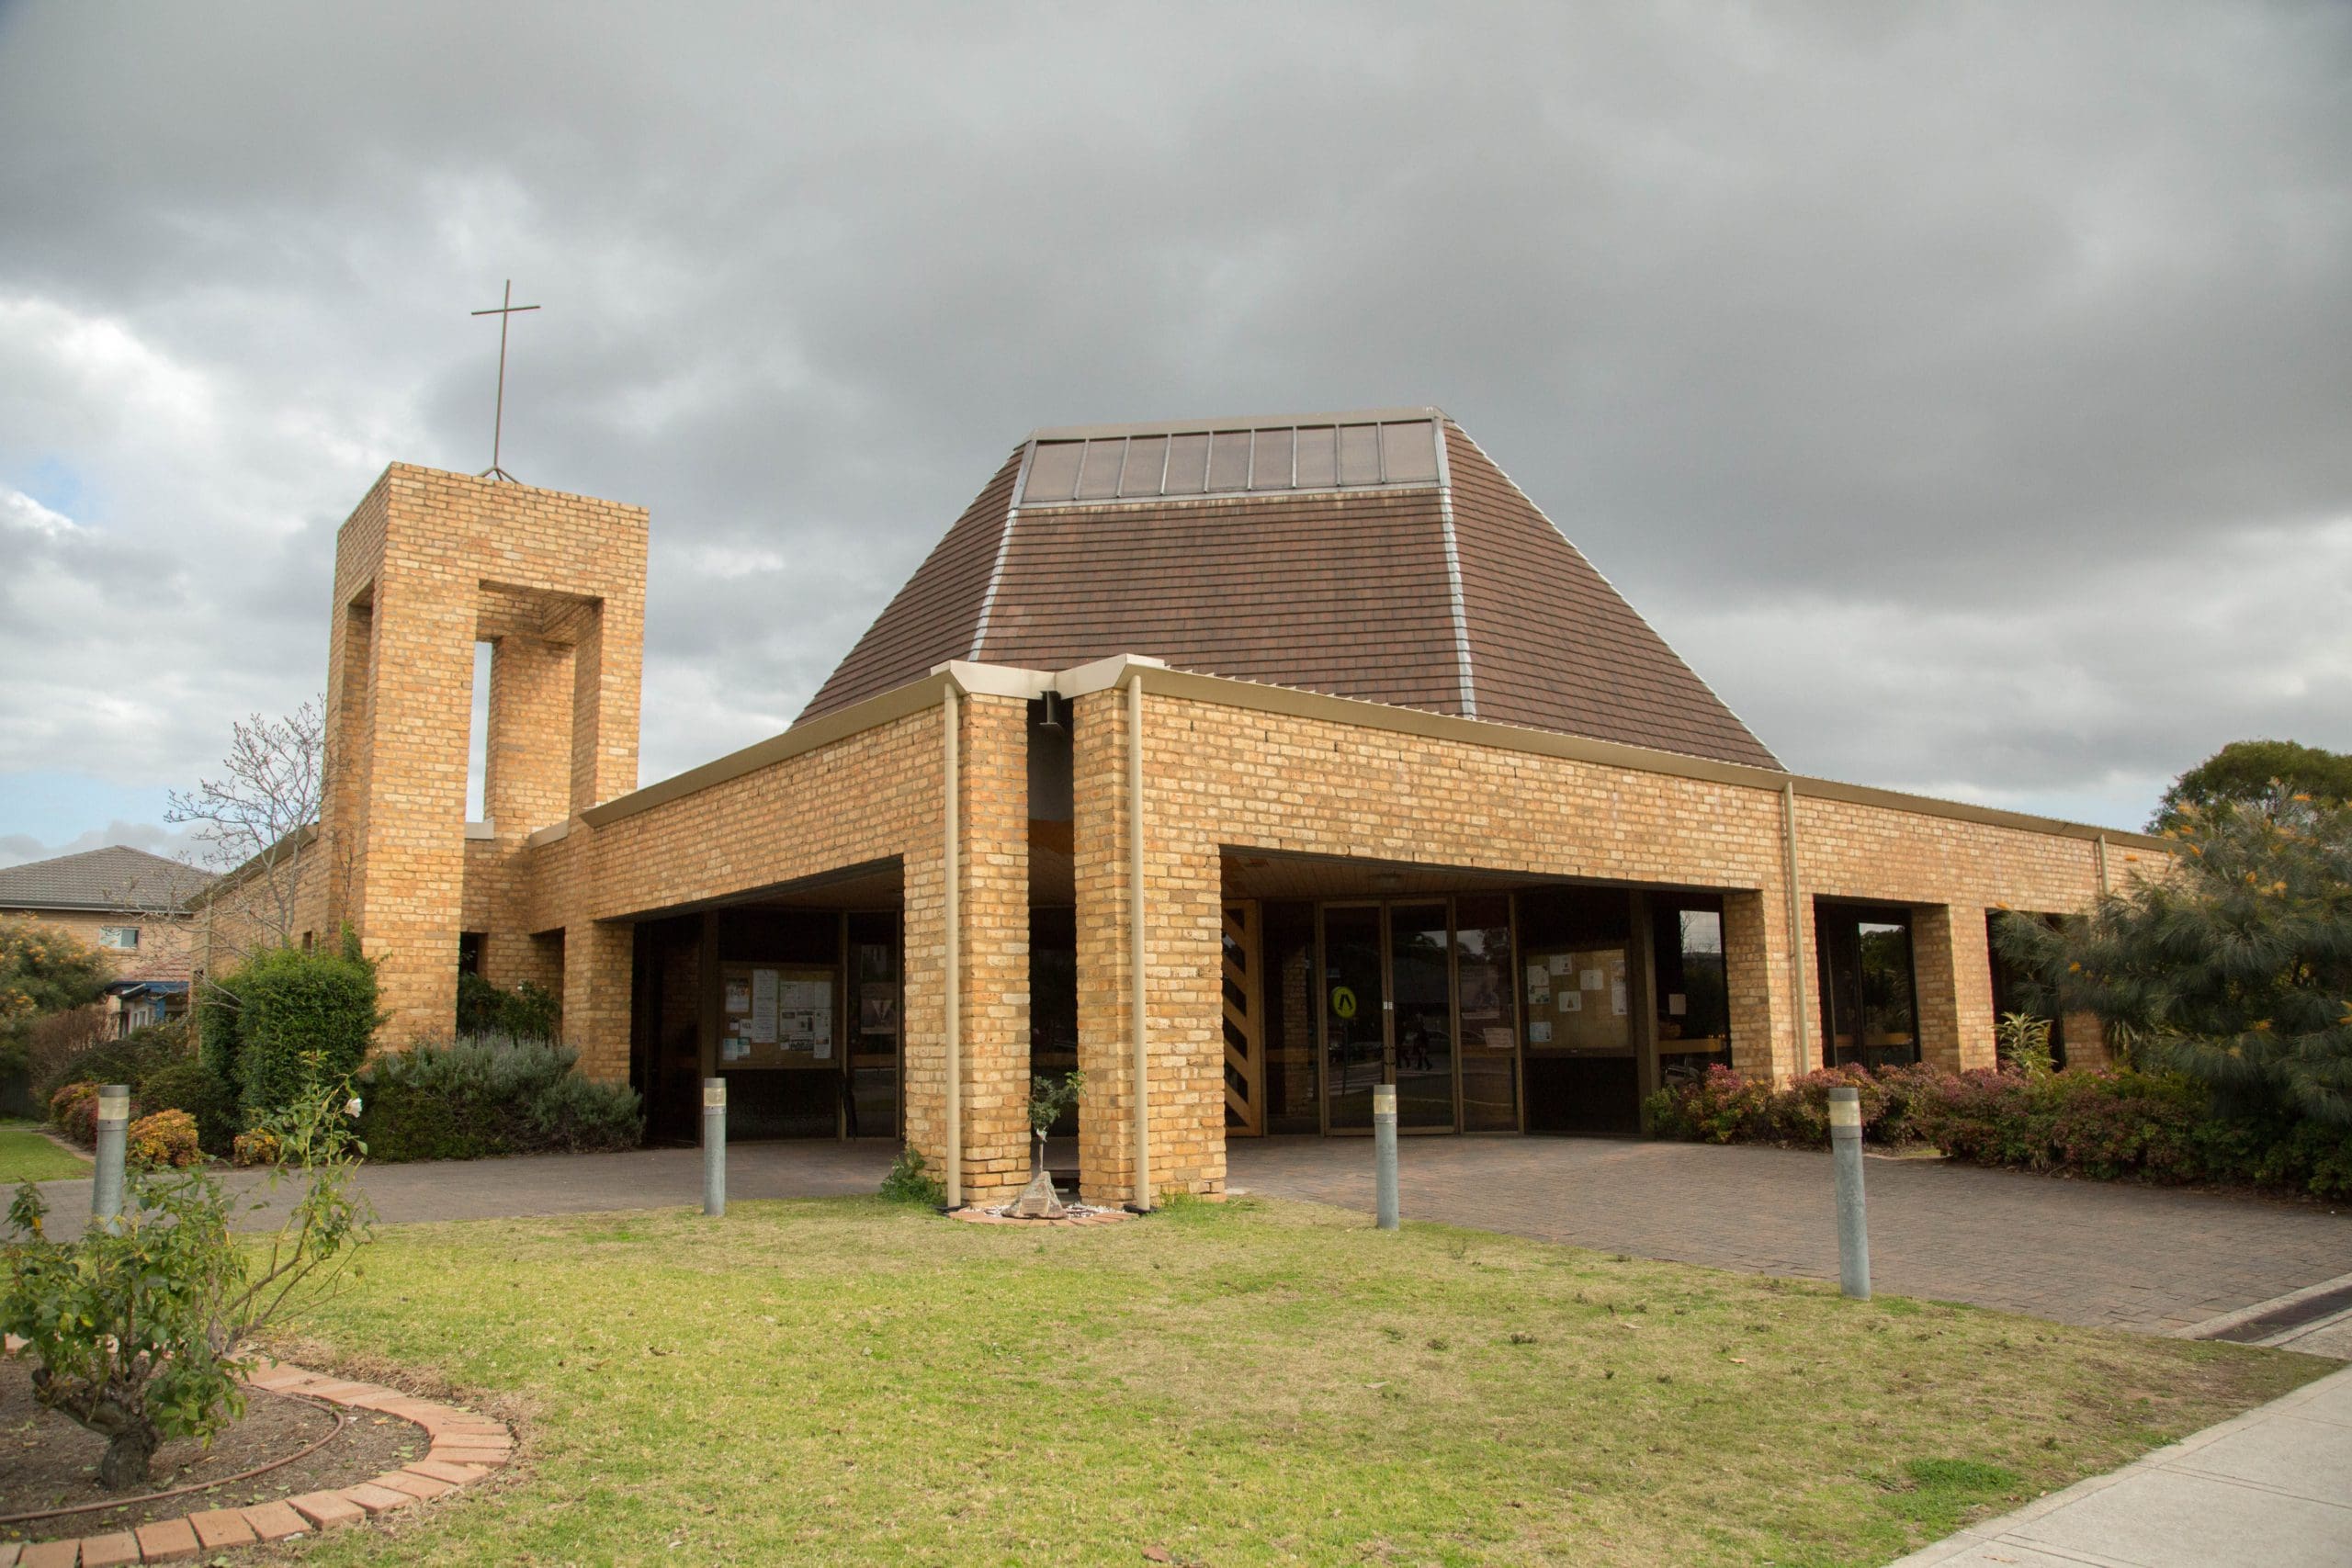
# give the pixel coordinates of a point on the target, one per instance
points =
(2248, 771)
(134, 1330)
(44, 970)
(2236, 970)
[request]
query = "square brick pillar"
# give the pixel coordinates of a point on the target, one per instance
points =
(993, 994)
(1766, 1041)
(995, 1023)
(599, 974)
(1952, 969)
(1183, 932)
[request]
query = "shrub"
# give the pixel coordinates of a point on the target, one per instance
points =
(192, 1087)
(910, 1182)
(2112, 1125)
(248, 1149)
(73, 1110)
(133, 1329)
(131, 1059)
(527, 1013)
(489, 1095)
(301, 1019)
(165, 1138)
(216, 1014)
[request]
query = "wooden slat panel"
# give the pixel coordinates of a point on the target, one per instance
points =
(1245, 1020)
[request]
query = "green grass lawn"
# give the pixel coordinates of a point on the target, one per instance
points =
(26, 1155)
(846, 1381)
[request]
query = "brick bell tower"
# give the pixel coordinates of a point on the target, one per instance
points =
(428, 565)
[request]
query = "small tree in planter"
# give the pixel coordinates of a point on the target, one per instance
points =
(1047, 1100)
(135, 1332)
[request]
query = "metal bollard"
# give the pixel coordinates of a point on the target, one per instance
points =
(1853, 1228)
(1383, 1154)
(714, 1146)
(113, 1137)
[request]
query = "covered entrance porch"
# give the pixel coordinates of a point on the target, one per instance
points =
(1491, 1003)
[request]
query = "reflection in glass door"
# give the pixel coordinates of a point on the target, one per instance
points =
(1354, 1036)
(1422, 986)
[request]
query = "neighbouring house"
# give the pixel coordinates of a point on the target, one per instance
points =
(1247, 764)
(132, 906)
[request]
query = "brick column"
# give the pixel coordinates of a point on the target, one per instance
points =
(992, 995)
(599, 974)
(1765, 1033)
(995, 1004)
(1953, 973)
(1183, 927)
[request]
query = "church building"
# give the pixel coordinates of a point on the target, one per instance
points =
(1245, 764)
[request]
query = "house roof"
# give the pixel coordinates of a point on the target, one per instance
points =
(1378, 555)
(115, 878)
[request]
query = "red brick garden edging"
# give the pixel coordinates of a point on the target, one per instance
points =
(465, 1447)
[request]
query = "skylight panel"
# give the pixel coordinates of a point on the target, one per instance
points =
(1134, 463)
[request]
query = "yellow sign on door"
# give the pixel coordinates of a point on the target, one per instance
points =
(1343, 1002)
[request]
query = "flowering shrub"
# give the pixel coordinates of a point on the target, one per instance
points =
(168, 1138)
(2109, 1125)
(254, 1148)
(73, 1110)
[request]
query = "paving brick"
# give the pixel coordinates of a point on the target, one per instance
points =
(327, 1510)
(165, 1541)
(376, 1499)
(51, 1554)
(273, 1521)
(221, 1527)
(445, 1470)
(423, 1487)
(109, 1551)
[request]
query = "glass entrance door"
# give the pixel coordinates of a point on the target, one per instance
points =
(1421, 985)
(1356, 1036)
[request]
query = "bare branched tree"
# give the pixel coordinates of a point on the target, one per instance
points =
(258, 820)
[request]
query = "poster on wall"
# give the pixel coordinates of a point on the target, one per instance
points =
(763, 989)
(877, 1009)
(738, 996)
(1539, 985)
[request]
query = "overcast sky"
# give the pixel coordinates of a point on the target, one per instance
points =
(1967, 391)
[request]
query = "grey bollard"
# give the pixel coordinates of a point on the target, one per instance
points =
(1384, 1155)
(113, 1137)
(1853, 1228)
(714, 1146)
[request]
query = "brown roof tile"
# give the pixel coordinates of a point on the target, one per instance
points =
(1347, 592)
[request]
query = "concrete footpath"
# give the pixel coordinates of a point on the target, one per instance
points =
(2272, 1487)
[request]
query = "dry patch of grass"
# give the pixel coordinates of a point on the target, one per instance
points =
(847, 1382)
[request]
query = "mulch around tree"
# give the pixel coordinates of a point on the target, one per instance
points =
(47, 1461)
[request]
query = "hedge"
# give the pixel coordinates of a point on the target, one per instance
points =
(290, 1003)
(2109, 1125)
(489, 1095)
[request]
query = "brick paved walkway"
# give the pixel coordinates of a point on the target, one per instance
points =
(2080, 1252)
(564, 1184)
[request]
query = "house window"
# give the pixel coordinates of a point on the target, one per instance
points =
(123, 939)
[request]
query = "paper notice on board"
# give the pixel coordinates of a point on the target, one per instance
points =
(738, 996)
(732, 1050)
(1617, 998)
(1539, 985)
(1500, 1039)
(1572, 1002)
(1539, 1032)
(763, 1006)
(1590, 980)
(1559, 963)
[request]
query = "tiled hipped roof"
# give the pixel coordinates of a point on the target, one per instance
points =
(115, 878)
(1345, 591)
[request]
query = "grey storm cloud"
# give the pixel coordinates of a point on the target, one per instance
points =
(1964, 389)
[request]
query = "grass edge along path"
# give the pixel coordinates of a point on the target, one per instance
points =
(843, 1380)
(26, 1156)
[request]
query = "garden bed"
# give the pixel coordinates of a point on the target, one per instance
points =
(52, 1462)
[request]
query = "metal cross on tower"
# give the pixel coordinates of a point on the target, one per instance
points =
(503, 311)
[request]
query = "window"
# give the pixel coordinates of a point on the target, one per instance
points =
(1153, 463)
(123, 939)
(1869, 1008)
